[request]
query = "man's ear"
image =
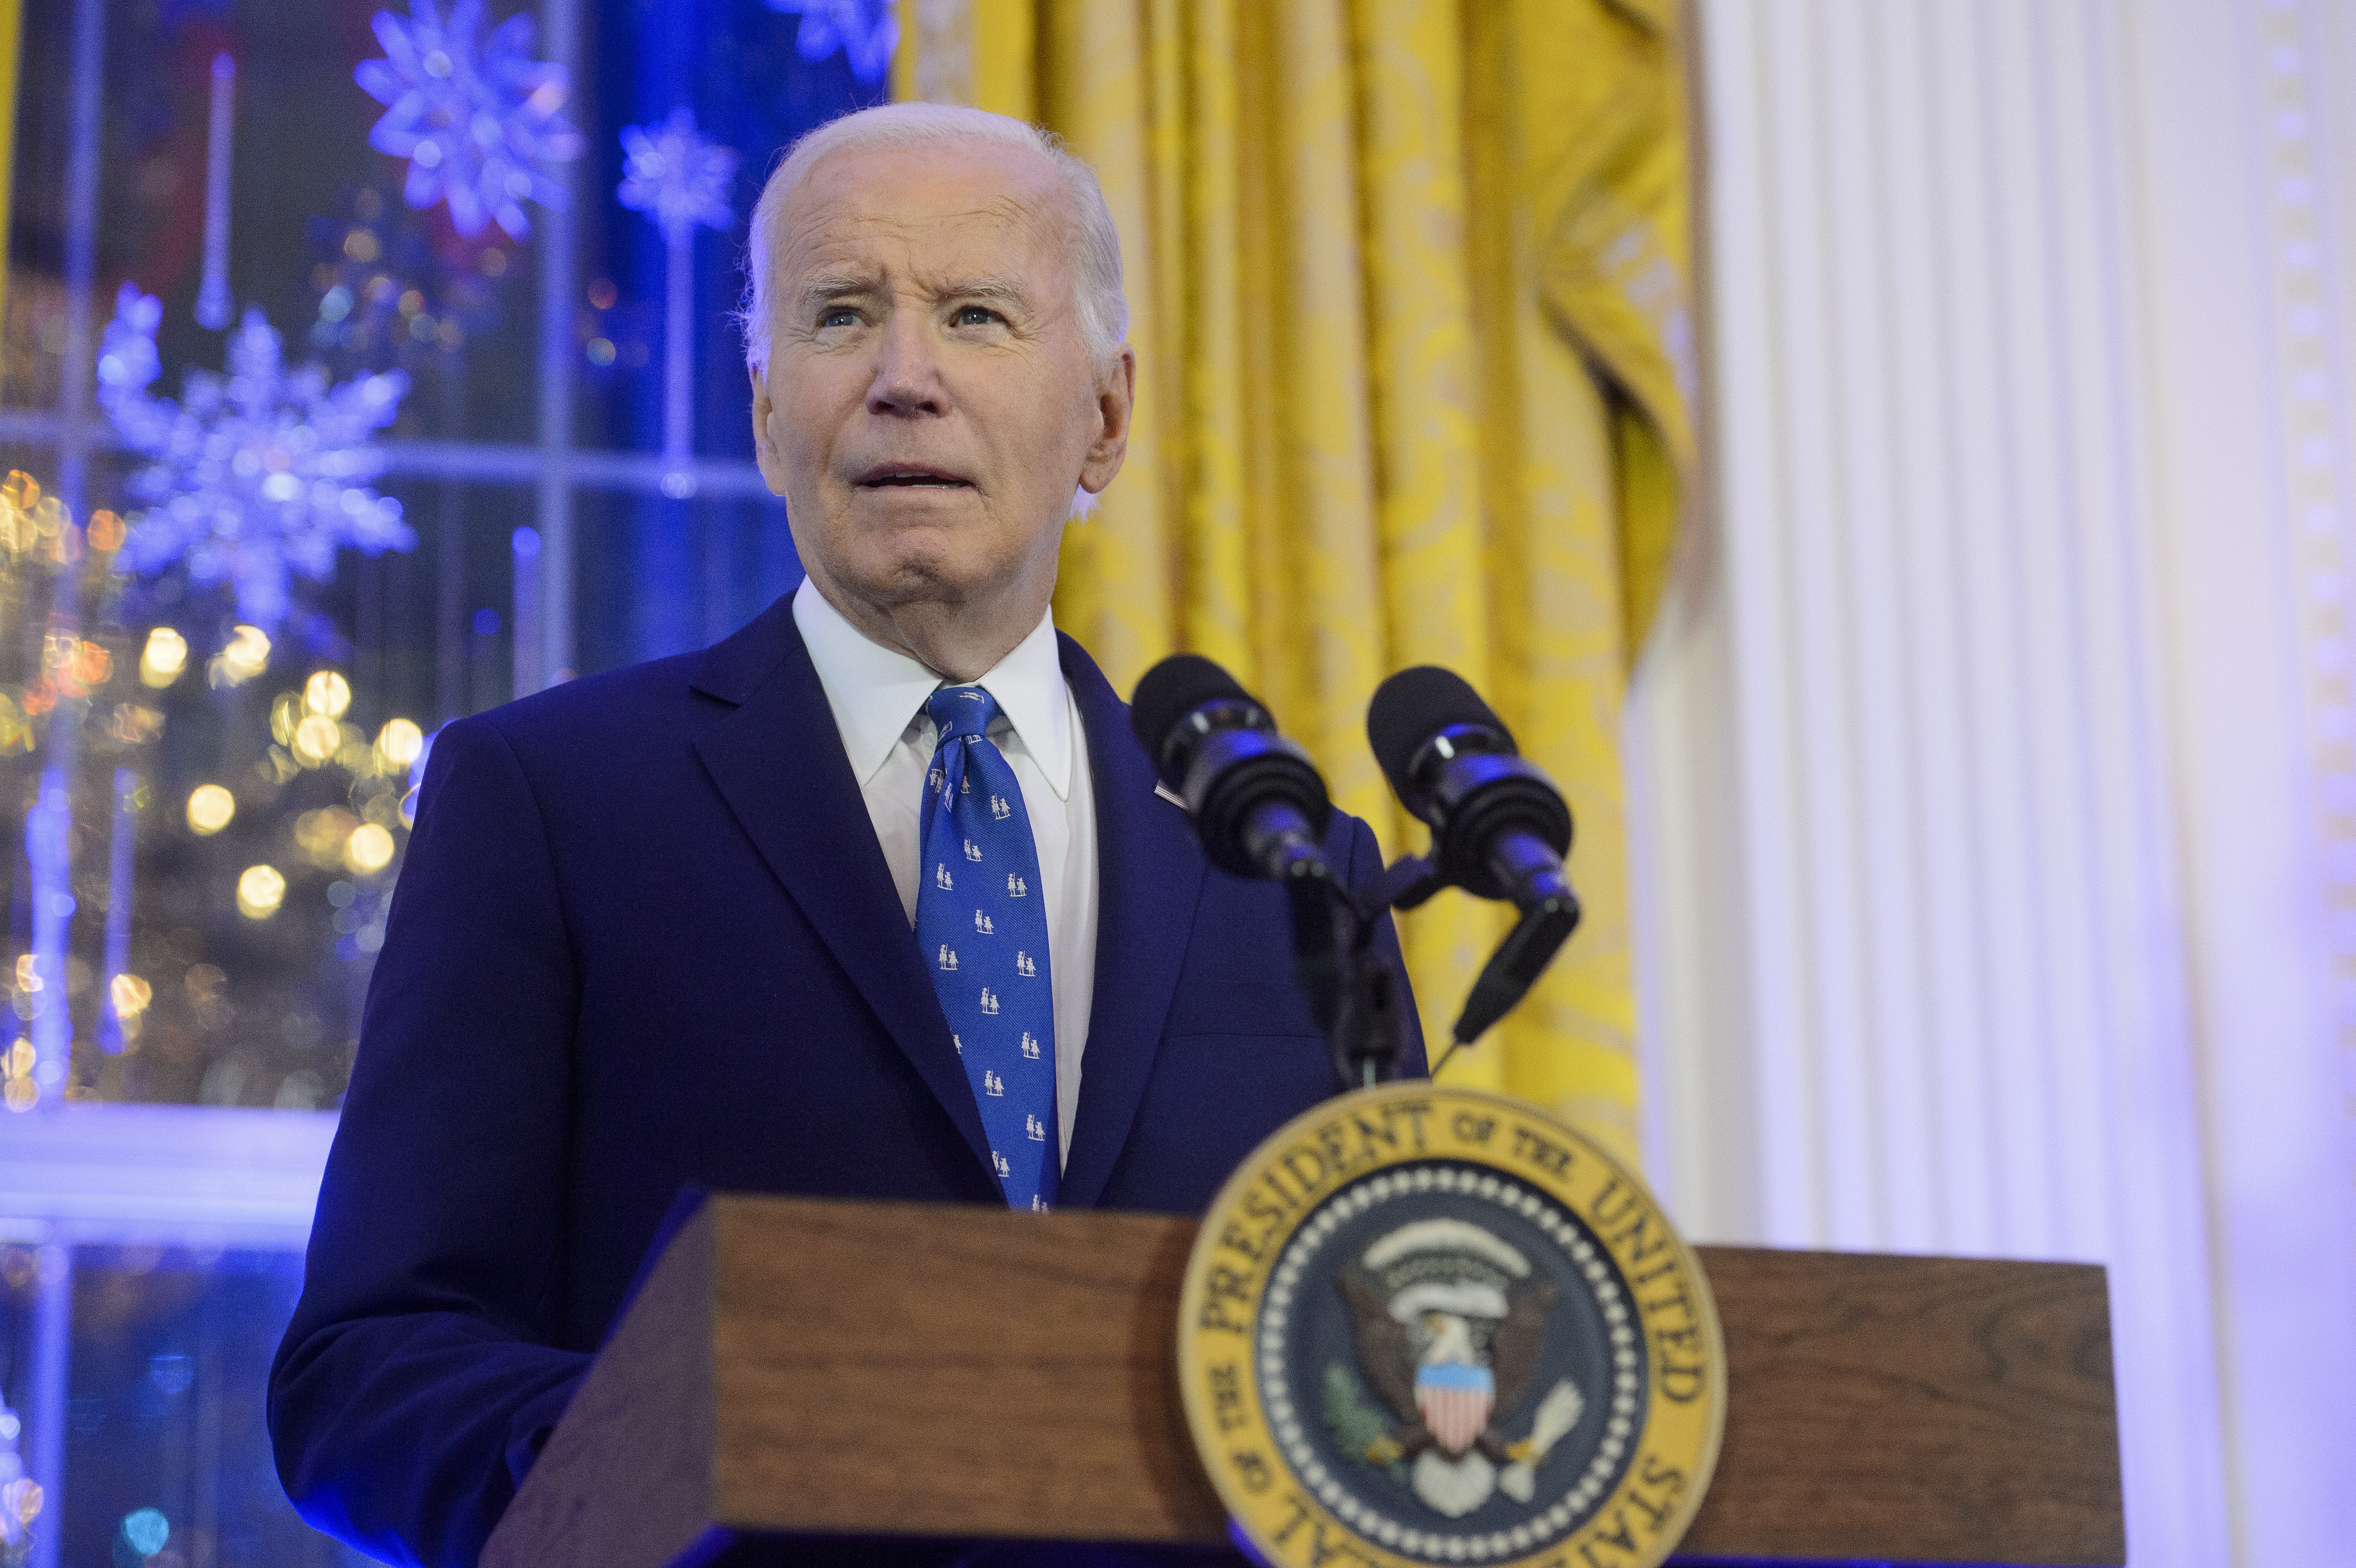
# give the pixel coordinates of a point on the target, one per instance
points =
(764, 451)
(1116, 403)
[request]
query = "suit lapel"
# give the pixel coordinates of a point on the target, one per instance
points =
(1149, 877)
(779, 764)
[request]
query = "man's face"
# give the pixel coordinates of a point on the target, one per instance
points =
(929, 403)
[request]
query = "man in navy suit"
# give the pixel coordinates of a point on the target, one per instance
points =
(654, 929)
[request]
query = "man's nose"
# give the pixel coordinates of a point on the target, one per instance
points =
(907, 373)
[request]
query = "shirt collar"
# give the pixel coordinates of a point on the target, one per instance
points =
(877, 693)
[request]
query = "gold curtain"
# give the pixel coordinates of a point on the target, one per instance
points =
(1407, 287)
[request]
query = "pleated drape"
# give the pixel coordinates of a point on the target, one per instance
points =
(1407, 287)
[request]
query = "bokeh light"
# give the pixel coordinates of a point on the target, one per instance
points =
(317, 740)
(21, 1499)
(260, 891)
(146, 1530)
(131, 995)
(210, 809)
(369, 850)
(165, 658)
(245, 655)
(399, 743)
(328, 692)
(322, 834)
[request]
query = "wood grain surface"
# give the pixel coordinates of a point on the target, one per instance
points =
(904, 1371)
(956, 1372)
(1910, 1409)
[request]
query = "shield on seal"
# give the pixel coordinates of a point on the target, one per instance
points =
(1454, 1401)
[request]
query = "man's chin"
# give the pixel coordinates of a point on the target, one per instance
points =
(917, 576)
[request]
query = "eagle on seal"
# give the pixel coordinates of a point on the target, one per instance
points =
(1449, 1323)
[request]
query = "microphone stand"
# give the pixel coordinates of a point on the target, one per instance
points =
(1356, 990)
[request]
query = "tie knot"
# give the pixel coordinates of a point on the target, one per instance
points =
(961, 711)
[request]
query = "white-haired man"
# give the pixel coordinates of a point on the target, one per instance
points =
(876, 898)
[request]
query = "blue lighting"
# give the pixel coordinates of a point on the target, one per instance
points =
(146, 1530)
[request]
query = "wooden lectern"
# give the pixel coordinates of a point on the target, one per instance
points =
(798, 1368)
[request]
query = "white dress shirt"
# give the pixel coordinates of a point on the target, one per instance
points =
(878, 698)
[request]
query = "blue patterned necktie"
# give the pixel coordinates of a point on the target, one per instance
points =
(981, 920)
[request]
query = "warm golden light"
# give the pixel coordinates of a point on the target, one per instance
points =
(210, 809)
(316, 740)
(131, 995)
(369, 850)
(27, 979)
(320, 834)
(328, 692)
(399, 743)
(246, 655)
(260, 891)
(165, 656)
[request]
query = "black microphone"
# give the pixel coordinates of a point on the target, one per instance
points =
(1499, 827)
(1258, 801)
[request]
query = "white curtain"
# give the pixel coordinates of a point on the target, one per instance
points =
(1993, 784)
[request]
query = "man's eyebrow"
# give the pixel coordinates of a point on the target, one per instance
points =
(997, 289)
(839, 285)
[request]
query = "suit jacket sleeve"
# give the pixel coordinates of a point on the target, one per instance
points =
(419, 1374)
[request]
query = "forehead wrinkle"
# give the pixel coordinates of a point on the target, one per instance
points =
(833, 229)
(837, 216)
(850, 218)
(867, 250)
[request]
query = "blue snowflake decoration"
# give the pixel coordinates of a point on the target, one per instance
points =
(253, 477)
(672, 173)
(475, 115)
(866, 31)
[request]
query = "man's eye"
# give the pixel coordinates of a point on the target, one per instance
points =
(840, 315)
(975, 316)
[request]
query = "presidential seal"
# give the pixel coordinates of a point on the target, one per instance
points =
(1433, 1326)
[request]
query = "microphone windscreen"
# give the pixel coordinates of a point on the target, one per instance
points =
(1171, 690)
(1412, 707)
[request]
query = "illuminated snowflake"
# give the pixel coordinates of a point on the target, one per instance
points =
(865, 31)
(252, 477)
(473, 113)
(673, 173)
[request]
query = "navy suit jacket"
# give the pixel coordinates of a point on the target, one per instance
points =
(645, 940)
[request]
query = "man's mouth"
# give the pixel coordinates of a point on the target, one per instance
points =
(911, 476)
